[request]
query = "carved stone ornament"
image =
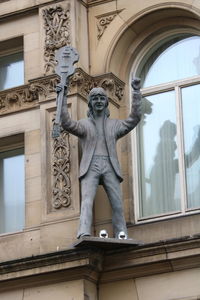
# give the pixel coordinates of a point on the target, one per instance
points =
(82, 83)
(61, 171)
(57, 33)
(104, 20)
(103, 23)
(22, 97)
(43, 89)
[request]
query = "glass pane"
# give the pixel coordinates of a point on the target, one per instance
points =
(159, 171)
(12, 198)
(177, 59)
(11, 71)
(191, 118)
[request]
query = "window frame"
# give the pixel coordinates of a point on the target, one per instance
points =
(13, 46)
(9, 144)
(175, 86)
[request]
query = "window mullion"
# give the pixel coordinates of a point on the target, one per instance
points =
(180, 141)
(136, 178)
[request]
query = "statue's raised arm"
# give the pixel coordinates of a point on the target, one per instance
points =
(125, 126)
(136, 100)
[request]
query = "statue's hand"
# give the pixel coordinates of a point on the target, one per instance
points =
(136, 97)
(58, 88)
(135, 83)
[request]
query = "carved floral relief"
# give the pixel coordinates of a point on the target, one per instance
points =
(61, 171)
(57, 33)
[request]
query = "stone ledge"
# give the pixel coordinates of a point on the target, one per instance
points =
(150, 259)
(115, 263)
(22, 8)
(105, 243)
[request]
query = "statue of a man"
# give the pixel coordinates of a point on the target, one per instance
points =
(98, 135)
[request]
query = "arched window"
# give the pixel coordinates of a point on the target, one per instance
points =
(168, 136)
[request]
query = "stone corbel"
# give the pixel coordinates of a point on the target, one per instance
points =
(113, 86)
(82, 83)
(103, 22)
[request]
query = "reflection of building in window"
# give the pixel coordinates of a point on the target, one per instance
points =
(12, 198)
(169, 149)
(162, 178)
(196, 62)
(11, 64)
(192, 162)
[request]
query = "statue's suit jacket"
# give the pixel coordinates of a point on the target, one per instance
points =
(114, 129)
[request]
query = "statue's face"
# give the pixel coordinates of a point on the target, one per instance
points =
(98, 102)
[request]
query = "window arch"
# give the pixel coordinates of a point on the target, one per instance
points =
(168, 136)
(175, 59)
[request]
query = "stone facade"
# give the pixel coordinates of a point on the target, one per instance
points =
(41, 262)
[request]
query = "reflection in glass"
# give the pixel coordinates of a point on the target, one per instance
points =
(11, 70)
(177, 59)
(159, 170)
(12, 198)
(191, 115)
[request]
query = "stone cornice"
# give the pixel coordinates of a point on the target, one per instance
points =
(42, 89)
(52, 267)
(31, 7)
(108, 265)
(97, 2)
(28, 8)
(166, 256)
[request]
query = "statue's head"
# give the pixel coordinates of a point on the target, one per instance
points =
(98, 91)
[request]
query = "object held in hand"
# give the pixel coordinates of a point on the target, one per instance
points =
(66, 57)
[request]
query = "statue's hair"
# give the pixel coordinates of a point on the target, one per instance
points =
(97, 91)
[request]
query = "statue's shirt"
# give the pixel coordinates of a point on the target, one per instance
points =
(101, 148)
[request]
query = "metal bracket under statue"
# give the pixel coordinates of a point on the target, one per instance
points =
(66, 57)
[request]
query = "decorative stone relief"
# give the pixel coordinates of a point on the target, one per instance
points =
(61, 171)
(82, 83)
(103, 23)
(57, 33)
(43, 89)
(104, 20)
(20, 98)
(114, 87)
